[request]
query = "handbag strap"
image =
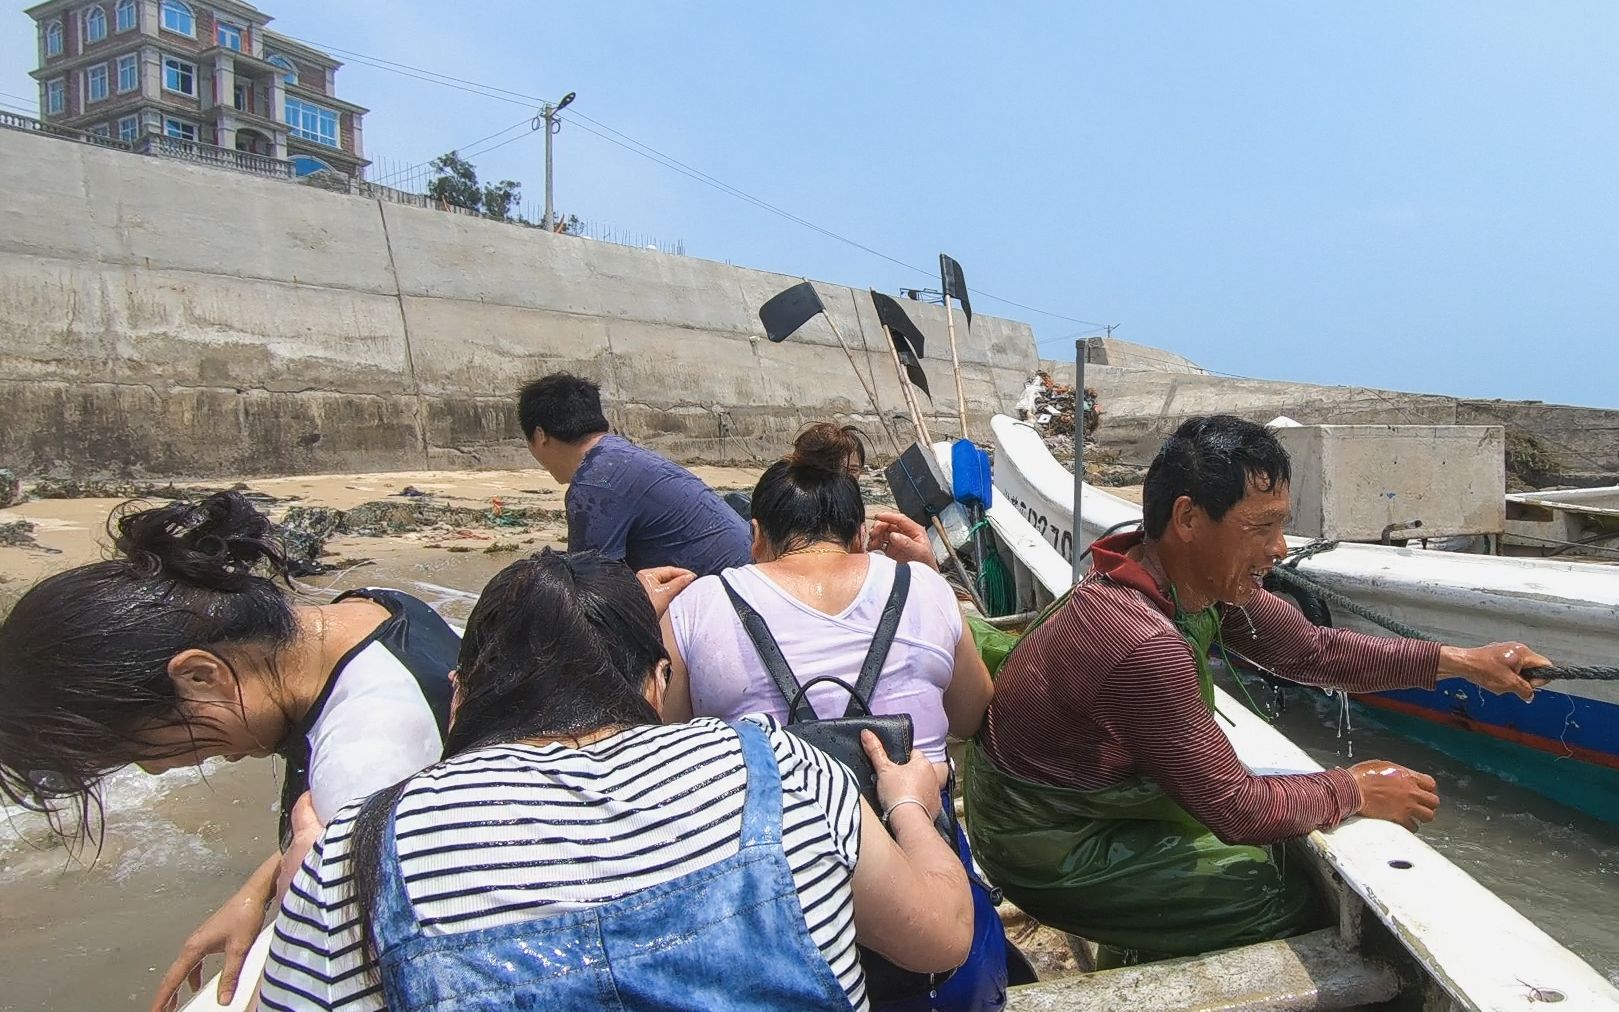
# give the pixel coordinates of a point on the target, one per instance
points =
(770, 653)
(793, 694)
(887, 626)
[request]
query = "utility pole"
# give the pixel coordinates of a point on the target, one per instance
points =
(548, 113)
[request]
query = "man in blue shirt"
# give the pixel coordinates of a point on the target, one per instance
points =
(624, 501)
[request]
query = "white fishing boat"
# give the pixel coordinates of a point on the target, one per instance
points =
(1564, 744)
(1411, 927)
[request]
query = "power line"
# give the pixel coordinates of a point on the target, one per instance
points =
(653, 154)
(466, 149)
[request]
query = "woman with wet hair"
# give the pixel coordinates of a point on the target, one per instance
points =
(571, 851)
(821, 593)
(823, 597)
(184, 647)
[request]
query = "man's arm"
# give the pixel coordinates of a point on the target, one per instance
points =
(1275, 634)
(597, 520)
(1151, 705)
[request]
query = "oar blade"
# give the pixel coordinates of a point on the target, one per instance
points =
(908, 340)
(787, 311)
(954, 284)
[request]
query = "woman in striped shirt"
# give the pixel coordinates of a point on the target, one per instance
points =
(571, 849)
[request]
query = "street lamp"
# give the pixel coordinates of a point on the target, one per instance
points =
(552, 124)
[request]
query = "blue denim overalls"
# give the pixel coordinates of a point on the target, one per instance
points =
(731, 936)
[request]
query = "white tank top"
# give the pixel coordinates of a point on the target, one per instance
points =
(729, 680)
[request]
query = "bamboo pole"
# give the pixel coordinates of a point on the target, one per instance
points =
(955, 364)
(927, 447)
(869, 388)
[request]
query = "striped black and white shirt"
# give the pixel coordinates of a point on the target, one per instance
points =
(576, 827)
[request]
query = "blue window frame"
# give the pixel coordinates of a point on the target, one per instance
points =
(312, 122)
(128, 72)
(129, 128)
(125, 15)
(53, 39)
(228, 36)
(179, 129)
(177, 18)
(56, 97)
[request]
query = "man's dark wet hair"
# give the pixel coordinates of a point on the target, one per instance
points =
(565, 406)
(1211, 459)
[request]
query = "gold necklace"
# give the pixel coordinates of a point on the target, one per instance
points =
(814, 551)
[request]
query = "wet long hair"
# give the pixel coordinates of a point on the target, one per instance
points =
(84, 654)
(810, 495)
(559, 645)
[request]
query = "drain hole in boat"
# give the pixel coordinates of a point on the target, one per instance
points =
(1400, 863)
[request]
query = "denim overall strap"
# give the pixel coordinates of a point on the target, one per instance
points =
(761, 806)
(393, 921)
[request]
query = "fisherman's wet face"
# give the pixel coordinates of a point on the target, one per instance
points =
(215, 715)
(1233, 555)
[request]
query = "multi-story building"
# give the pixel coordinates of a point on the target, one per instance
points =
(209, 73)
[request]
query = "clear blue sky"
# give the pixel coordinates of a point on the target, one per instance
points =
(1420, 196)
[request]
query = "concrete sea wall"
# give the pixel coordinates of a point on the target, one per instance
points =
(163, 319)
(1141, 406)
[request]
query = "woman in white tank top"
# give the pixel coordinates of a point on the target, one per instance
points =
(821, 593)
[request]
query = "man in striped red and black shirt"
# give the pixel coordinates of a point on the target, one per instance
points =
(1102, 796)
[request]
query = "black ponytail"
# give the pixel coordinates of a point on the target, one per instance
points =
(84, 654)
(812, 495)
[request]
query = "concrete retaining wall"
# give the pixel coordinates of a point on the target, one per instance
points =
(1140, 407)
(164, 319)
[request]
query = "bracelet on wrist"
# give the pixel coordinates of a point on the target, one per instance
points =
(888, 812)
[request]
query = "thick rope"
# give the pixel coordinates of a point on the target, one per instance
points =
(1288, 574)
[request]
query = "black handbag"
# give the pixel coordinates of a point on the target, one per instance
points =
(839, 737)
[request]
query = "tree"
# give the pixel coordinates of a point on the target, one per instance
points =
(456, 182)
(500, 199)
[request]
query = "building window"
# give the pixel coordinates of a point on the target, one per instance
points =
(101, 130)
(95, 25)
(177, 18)
(129, 128)
(128, 72)
(228, 36)
(126, 15)
(180, 76)
(180, 130)
(95, 82)
(311, 122)
(290, 75)
(56, 97)
(53, 39)
(306, 165)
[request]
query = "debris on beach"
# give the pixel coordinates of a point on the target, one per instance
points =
(111, 488)
(10, 488)
(20, 534)
(1049, 405)
(306, 529)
